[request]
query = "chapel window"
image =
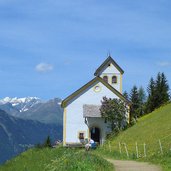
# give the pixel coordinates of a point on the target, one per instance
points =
(114, 79)
(81, 135)
(105, 78)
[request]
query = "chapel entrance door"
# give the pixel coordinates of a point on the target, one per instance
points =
(95, 134)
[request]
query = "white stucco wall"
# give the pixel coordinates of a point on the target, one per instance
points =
(74, 113)
(110, 69)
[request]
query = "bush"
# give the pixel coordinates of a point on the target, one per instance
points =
(47, 143)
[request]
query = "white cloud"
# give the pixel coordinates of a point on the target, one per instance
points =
(164, 63)
(44, 67)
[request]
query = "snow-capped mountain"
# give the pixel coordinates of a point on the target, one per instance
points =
(34, 108)
(18, 100)
(25, 121)
(21, 104)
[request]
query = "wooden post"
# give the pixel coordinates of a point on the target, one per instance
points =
(161, 149)
(120, 148)
(110, 147)
(145, 154)
(126, 150)
(137, 150)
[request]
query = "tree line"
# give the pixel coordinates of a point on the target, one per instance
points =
(113, 110)
(157, 95)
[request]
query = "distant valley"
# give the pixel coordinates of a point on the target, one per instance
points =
(25, 122)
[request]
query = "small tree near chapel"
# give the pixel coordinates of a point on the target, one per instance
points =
(114, 112)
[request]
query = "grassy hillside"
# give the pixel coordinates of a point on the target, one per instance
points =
(149, 130)
(57, 159)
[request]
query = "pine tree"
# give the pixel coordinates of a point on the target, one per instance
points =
(158, 92)
(165, 89)
(150, 106)
(142, 95)
(47, 142)
(134, 98)
(125, 94)
(142, 100)
(161, 90)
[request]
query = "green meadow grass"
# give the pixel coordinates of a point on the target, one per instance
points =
(149, 130)
(57, 159)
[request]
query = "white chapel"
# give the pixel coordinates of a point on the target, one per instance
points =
(82, 118)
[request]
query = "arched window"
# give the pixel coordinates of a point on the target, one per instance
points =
(105, 78)
(114, 79)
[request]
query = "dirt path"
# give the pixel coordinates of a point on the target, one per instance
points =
(133, 166)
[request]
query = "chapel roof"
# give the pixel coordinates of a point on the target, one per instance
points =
(79, 91)
(106, 62)
(91, 111)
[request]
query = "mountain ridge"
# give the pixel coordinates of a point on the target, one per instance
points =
(17, 135)
(22, 104)
(33, 108)
(27, 121)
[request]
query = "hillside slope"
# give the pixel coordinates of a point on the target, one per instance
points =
(149, 130)
(148, 133)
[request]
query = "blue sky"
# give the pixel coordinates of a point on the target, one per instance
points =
(49, 48)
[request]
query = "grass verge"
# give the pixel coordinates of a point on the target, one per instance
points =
(57, 159)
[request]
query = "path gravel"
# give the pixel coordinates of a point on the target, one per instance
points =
(133, 166)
